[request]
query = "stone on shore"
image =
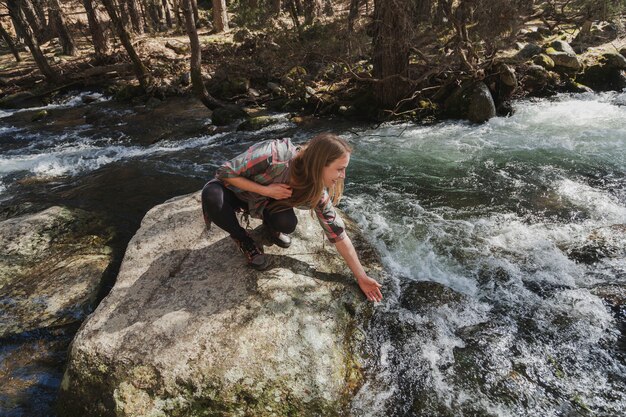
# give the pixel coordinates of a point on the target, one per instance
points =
(563, 56)
(51, 267)
(472, 101)
(190, 330)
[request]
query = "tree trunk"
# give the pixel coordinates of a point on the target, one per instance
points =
(24, 30)
(135, 16)
(390, 56)
(312, 9)
(196, 59)
(178, 13)
(10, 43)
(220, 18)
(60, 28)
(168, 14)
(298, 5)
(37, 25)
(275, 7)
(353, 14)
(100, 44)
(153, 15)
(196, 12)
(40, 10)
(328, 8)
(140, 70)
(294, 16)
(123, 12)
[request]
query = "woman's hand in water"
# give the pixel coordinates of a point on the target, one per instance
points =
(371, 288)
(278, 191)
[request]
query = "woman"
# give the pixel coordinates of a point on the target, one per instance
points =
(269, 180)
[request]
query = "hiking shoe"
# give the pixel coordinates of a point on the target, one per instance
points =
(277, 238)
(253, 252)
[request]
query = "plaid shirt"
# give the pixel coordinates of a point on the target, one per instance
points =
(267, 163)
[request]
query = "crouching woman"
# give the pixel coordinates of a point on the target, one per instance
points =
(273, 177)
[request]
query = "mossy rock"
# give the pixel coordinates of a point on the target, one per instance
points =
(41, 114)
(544, 60)
(575, 87)
(256, 123)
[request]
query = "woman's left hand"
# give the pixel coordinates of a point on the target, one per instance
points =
(371, 288)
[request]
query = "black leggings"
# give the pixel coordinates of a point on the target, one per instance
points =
(219, 205)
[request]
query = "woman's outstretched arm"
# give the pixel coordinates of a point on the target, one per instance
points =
(369, 286)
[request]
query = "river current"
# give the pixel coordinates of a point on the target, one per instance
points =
(523, 218)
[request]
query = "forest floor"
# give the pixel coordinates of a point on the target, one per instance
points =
(323, 72)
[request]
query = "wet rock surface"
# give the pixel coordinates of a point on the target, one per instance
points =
(189, 328)
(51, 267)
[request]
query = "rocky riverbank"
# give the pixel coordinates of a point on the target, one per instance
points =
(250, 69)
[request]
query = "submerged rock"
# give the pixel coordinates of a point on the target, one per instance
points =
(189, 329)
(51, 267)
(423, 296)
(603, 242)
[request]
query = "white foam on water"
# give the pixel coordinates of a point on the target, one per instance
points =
(84, 154)
(73, 101)
(602, 206)
(514, 265)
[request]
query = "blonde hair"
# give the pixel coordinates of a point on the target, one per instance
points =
(306, 172)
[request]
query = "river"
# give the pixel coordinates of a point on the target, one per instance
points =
(524, 218)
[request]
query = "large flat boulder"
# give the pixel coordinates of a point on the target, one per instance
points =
(189, 329)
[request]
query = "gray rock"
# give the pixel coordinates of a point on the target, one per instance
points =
(561, 46)
(472, 101)
(528, 51)
(563, 55)
(189, 329)
(180, 48)
(507, 76)
(276, 88)
(481, 105)
(51, 266)
(564, 59)
(536, 78)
